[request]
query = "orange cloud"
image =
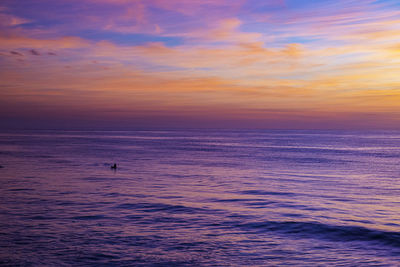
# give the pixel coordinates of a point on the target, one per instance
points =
(11, 42)
(311, 64)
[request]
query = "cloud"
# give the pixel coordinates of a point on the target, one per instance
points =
(68, 42)
(15, 53)
(259, 60)
(224, 31)
(34, 52)
(227, 58)
(7, 20)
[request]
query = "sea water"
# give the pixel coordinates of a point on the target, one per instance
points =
(199, 198)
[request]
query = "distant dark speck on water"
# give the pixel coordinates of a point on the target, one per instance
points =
(1, 167)
(114, 166)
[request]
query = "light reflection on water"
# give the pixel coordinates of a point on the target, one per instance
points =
(200, 198)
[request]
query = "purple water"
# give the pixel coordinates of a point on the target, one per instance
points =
(200, 198)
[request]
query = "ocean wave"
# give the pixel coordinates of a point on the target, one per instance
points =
(270, 193)
(160, 207)
(340, 233)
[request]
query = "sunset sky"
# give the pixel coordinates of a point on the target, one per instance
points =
(127, 64)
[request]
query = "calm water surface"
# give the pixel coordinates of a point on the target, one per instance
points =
(200, 198)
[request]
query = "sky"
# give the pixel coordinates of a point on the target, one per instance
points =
(146, 64)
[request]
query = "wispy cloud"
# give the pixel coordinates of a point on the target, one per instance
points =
(262, 61)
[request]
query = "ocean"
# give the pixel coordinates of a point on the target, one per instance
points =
(200, 198)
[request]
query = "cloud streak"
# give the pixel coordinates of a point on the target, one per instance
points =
(271, 63)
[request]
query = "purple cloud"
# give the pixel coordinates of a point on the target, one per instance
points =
(34, 52)
(15, 53)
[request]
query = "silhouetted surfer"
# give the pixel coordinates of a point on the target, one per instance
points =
(114, 167)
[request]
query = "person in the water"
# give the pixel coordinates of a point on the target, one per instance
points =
(114, 166)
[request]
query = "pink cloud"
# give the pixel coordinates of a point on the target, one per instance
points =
(10, 20)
